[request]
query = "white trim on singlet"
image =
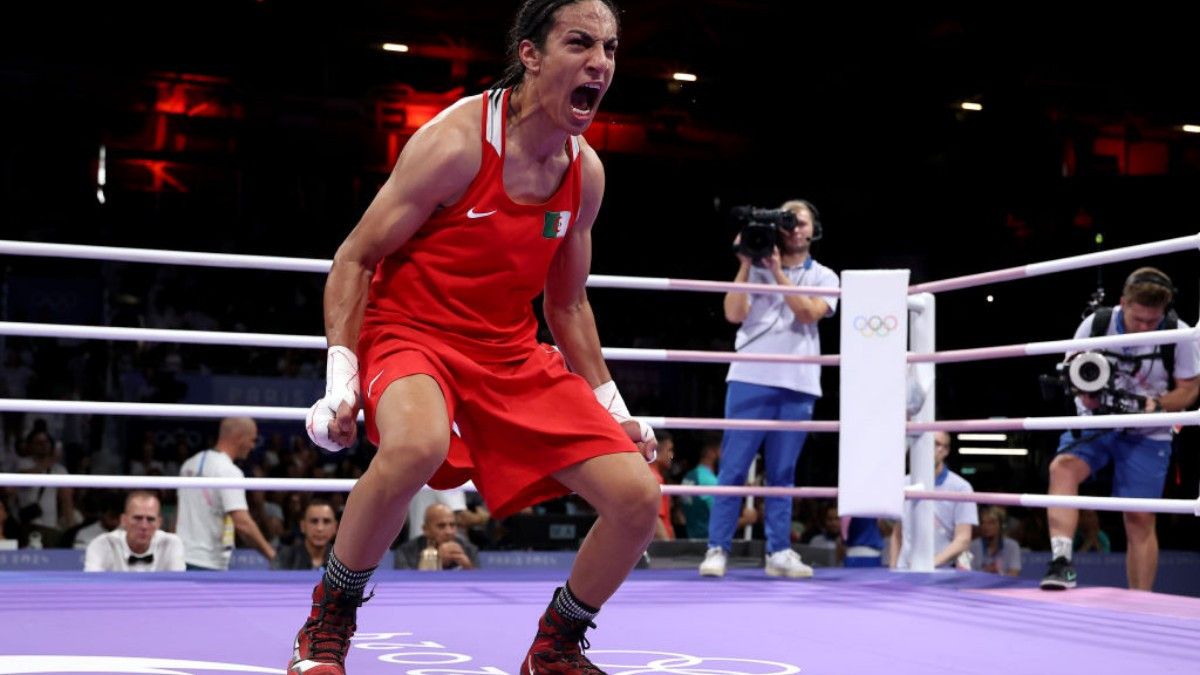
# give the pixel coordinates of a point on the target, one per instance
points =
(495, 120)
(495, 124)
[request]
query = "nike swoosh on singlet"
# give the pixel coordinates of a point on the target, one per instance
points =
(372, 383)
(472, 214)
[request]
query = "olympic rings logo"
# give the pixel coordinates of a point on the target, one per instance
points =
(875, 326)
(683, 664)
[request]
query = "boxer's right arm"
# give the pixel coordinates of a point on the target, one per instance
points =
(434, 169)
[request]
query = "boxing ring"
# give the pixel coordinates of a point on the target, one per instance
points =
(667, 621)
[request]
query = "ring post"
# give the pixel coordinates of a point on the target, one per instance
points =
(874, 327)
(922, 339)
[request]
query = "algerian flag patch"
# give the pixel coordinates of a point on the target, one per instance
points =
(556, 224)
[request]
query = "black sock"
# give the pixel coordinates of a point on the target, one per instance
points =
(566, 604)
(338, 576)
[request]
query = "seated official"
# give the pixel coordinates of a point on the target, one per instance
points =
(138, 545)
(441, 534)
(992, 551)
(319, 526)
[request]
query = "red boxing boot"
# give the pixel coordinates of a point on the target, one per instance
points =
(559, 645)
(320, 647)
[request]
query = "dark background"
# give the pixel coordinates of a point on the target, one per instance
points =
(266, 127)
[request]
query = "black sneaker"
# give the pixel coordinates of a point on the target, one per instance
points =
(1060, 576)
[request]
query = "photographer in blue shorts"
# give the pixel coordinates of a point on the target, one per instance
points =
(1153, 378)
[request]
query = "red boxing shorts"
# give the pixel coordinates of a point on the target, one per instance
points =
(520, 422)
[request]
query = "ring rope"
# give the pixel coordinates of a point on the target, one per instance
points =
(1180, 506)
(1183, 506)
(1059, 347)
(1189, 242)
(1187, 418)
(344, 485)
(48, 330)
(276, 263)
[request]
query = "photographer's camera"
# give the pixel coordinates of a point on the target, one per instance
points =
(1093, 374)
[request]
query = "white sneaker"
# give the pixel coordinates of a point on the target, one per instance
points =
(714, 563)
(787, 563)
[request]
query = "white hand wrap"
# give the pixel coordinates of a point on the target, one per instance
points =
(341, 386)
(611, 400)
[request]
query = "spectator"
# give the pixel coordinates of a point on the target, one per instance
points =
(107, 517)
(45, 510)
(10, 532)
(830, 533)
(664, 530)
(147, 463)
(992, 551)
(696, 509)
(208, 518)
(952, 521)
(1089, 536)
(455, 499)
(138, 545)
(319, 528)
(440, 533)
(266, 514)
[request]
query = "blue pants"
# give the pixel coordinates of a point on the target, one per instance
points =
(780, 453)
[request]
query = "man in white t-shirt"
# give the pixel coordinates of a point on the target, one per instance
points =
(209, 518)
(771, 323)
(137, 545)
(952, 521)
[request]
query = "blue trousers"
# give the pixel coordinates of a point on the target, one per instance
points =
(781, 450)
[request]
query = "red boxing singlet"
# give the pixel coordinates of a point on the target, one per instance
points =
(468, 277)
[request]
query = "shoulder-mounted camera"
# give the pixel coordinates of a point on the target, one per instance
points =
(1095, 374)
(759, 229)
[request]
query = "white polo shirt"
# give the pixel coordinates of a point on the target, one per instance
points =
(771, 328)
(946, 516)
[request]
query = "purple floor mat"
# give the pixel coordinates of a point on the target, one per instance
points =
(841, 622)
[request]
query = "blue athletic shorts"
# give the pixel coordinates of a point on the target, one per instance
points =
(1139, 463)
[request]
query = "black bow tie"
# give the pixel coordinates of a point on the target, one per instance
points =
(148, 559)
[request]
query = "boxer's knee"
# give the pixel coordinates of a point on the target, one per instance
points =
(410, 458)
(414, 432)
(634, 502)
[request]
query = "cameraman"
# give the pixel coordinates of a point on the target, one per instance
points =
(1139, 456)
(771, 323)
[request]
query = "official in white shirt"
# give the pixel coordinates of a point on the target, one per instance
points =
(137, 545)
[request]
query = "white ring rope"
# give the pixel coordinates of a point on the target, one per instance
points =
(1188, 418)
(275, 263)
(1181, 506)
(203, 337)
(1184, 506)
(1059, 347)
(1061, 265)
(50, 330)
(342, 485)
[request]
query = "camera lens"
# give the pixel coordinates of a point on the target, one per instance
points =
(1089, 372)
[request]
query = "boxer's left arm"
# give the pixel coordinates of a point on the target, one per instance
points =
(569, 315)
